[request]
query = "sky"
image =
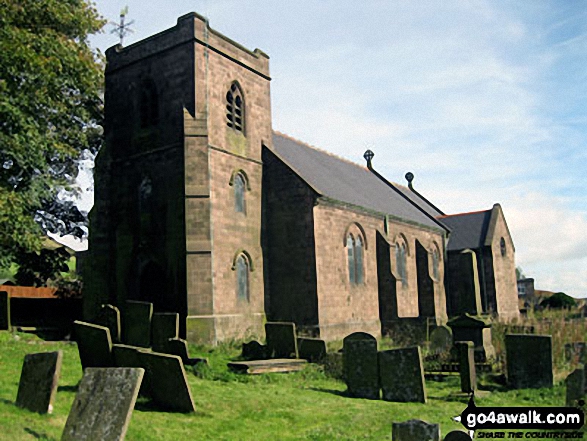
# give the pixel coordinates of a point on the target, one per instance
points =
(484, 101)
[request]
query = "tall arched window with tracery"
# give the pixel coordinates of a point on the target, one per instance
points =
(242, 278)
(400, 262)
(355, 259)
(239, 194)
(235, 108)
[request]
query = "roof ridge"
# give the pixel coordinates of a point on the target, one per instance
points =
(463, 214)
(313, 147)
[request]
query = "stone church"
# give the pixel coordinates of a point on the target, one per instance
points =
(202, 209)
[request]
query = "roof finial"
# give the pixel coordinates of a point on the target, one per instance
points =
(410, 178)
(368, 155)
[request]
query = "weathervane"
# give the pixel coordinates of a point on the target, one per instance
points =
(122, 29)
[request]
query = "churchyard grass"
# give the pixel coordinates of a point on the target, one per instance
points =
(306, 405)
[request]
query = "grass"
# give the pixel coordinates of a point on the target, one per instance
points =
(307, 405)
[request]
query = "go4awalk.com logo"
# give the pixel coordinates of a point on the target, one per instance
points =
(541, 422)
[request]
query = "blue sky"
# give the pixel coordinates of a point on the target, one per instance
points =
(484, 101)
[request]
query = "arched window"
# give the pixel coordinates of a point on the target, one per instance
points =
(400, 262)
(242, 278)
(435, 264)
(355, 259)
(502, 247)
(235, 108)
(149, 104)
(239, 194)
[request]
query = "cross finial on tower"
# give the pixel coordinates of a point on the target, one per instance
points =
(122, 29)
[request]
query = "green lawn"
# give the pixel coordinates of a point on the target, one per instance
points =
(306, 405)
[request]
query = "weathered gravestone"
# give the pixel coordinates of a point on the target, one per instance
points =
(415, 430)
(136, 324)
(401, 375)
(125, 356)
(312, 349)
(575, 351)
(457, 435)
(103, 405)
(281, 339)
(39, 379)
(477, 330)
(466, 358)
(529, 361)
(4, 311)
(179, 347)
(440, 340)
(575, 387)
(169, 386)
(360, 368)
(165, 325)
(94, 344)
(109, 317)
(254, 350)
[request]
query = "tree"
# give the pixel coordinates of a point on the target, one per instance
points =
(50, 113)
(559, 300)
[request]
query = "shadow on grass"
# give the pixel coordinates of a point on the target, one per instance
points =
(146, 405)
(67, 388)
(36, 434)
(331, 391)
(5, 401)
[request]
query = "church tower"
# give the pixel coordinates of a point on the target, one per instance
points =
(177, 214)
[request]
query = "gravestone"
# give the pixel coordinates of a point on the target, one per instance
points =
(109, 317)
(360, 368)
(125, 356)
(575, 351)
(179, 347)
(39, 379)
(465, 354)
(415, 430)
(457, 435)
(401, 375)
(477, 330)
(169, 386)
(575, 387)
(165, 325)
(4, 311)
(103, 404)
(529, 361)
(136, 324)
(254, 350)
(312, 349)
(281, 339)
(94, 344)
(440, 340)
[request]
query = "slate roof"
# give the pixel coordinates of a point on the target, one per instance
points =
(345, 181)
(468, 230)
(418, 200)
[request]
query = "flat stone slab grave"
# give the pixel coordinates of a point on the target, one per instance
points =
(281, 339)
(415, 430)
(103, 405)
(94, 344)
(359, 360)
(39, 380)
(401, 374)
(266, 366)
(169, 384)
(529, 361)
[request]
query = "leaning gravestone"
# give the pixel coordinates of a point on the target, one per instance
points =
(38, 381)
(94, 344)
(360, 368)
(466, 357)
(575, 385)
(136, 324)
(109, 316)
(440, 340)
(457, 435)
(415, 430)
(169, 385)
(312, 349)
(401, 375)
(165, 325)
(179, 347)
(4, 311)
(281, 339)
(529, 361)
(125, 356)
(103, 405)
